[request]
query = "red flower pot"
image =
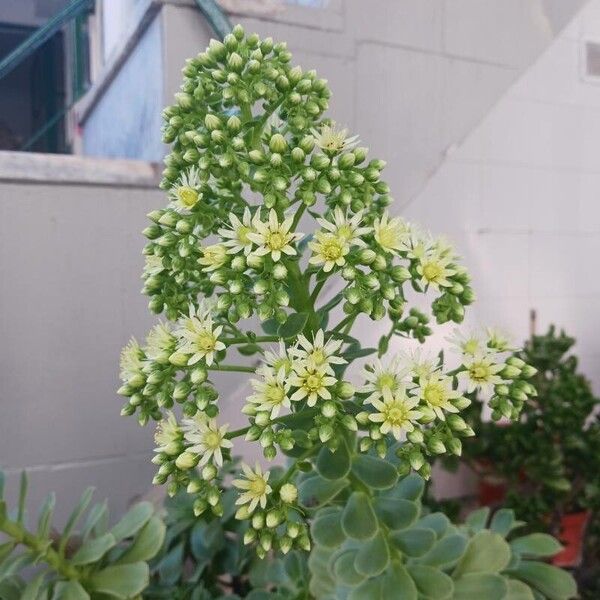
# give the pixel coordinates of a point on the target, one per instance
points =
(572, 531)
(492, 491)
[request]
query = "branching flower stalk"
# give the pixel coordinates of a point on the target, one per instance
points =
(253, 161)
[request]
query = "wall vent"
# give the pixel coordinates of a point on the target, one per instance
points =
(591, 61)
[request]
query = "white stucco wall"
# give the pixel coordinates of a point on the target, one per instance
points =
(520, 199)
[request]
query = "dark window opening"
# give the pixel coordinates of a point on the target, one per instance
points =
(33, 95)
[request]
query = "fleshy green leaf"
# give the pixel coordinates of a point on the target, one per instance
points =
(551, 581)
(122, 581)
(134, 519)
(74, 517)
(23, 485)
(316, 490)
(70, 590)
(369, 589)
(477, 586)
(147, 542)
(293, 326)
(327, 529)
(373, 556)
(374, 472)
(446, 551)
(487, 552)
(358, 519)
(477, 520)
(396, 513)
(345, 571)
(32, 589)
(94, 549)
(414, 541)
(517, 590)
(398, 584)
(437, 522)
(503, 522)
(410, 487)
(45, 517)
(536, 545)
(334, 465)
(431, 583)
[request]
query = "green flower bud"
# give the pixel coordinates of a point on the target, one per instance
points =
(325, 433)
(212, 122)
(415, 436)
(528, 371)
(285, 544)
(194, 486)
(277, 143)
(456, 422)
(200, 506)
(307, 143)
(270, 452)
(349, 422)
(274, 518)
(250, 536)
(186, 461)
(294, 529)
(367, 256)
(242, 513)
(435, 445)
(416, 459)
(360, 154)
(345, 161)
(235, 61)
(298, 154)
(510, 372)
(345, 390)
(454, 446)
(329, 409)
(178, 359)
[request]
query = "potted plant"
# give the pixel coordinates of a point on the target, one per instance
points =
(253, 163)
(548, 461)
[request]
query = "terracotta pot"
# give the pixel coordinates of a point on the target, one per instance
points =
(492, 491)
(572, 533)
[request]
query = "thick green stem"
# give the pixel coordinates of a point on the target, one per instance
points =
(284, 420)
(250, 340)
(40, 546)
(236, 368)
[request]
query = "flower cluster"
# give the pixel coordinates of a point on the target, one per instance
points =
(252, 160)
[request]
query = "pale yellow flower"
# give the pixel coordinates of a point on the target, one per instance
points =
(270, 392)
(347, 229)
(273, 237)
(168, 436)
(380, 377)
(420, 363)
(255, 487)
(395, 413)
(329, 250)
(159, 343)
(333, 140)
(213, 257)
(237, 235)
(198, 337)
(434, 269)
(312, 383)
(131, 360)
(278, 359)
(185, 194)
(466, 342)
(436, 391)
(391, 234)
(481, 371)
(318, 353)
(154, 265)
(207, 439)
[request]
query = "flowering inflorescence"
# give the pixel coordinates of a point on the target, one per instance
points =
(245, 125)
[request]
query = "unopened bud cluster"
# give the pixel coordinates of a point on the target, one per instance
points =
(252, 160)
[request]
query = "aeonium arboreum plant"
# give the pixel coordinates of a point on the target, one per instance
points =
(252, 154)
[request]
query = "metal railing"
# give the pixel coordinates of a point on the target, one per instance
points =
(75, 12)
